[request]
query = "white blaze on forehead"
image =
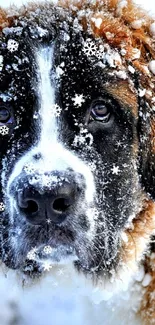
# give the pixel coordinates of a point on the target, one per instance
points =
(46, 94)
(54, 156)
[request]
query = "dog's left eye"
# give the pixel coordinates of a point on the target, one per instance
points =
(100, 111)
(4, 114)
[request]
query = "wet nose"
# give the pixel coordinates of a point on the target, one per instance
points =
(52, 206)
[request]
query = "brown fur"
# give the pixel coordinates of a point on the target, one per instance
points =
(124, 95)
(138, 235)
(147, 310)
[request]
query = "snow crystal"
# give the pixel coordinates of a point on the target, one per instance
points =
(136, 24)
(2, 206)
(97, 22)
(29, 168)
(131, 69)
(55, 110)
(139, 276)
(124, 237)
(109, 35)
(149, 93)
(115, 170)
(78, 100)
(147, 279)
(89, 47)
(152, 29)
(32, 254)
(152, 66)
(121, 74)
(12, 45)
(4, 130)
(48, 221)
(47, 249)
(123, 51)
(1, 62)
(121, 4)
(83, 136)
(59, 71)
(135, 54)
(36, 115)
(141, 92)
(47, 265)
(10, 30)
(113, 58)
(42, 32)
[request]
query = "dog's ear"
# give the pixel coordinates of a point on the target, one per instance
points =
(146, 130)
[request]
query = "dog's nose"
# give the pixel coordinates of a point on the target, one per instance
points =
(52, 206)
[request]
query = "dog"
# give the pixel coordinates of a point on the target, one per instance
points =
(77, 126)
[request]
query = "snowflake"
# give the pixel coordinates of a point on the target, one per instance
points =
(55, 284)
(2, 206)
(29, 168)
(119, 143)
(42, 32)
(115, 170)
(32, 254)
(61, 272)
(47, 266)
(78, 100)
(83, 138)
(91, 49)
(56, 110)
(59, 71)
(4, 130)
(47, 249)
(12, 45)
(48, 221)
(92, 166)
(79, 140)
(1, 62)
(35, 115)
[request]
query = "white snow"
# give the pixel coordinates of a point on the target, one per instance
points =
(152, 66)
(136, 24)
(12, 45)
(152, 29)
(64, 297)
(37, 303)
(131, 69)
(147, 279)
(97, 22)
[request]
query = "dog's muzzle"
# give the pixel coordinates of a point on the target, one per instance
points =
(48, 203)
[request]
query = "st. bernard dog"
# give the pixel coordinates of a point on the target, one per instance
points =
(77, 144)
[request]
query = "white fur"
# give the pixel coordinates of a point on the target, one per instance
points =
(54, 156)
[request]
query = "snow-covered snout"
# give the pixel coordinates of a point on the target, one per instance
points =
(70, 180)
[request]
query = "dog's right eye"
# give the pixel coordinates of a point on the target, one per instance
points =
(4, 114)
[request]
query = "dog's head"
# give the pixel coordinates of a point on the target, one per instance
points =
(76, 137)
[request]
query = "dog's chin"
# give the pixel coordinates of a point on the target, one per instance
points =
(44, 258)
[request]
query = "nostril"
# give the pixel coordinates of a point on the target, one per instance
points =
(61, 205)
(31, 207)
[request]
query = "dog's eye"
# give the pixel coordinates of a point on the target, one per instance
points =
(100, 111)
(4, 114)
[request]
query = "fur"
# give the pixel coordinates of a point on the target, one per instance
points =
(70, 57)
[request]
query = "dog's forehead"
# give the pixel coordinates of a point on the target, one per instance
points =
(75, 56)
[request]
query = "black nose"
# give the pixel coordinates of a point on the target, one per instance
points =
(52, 206)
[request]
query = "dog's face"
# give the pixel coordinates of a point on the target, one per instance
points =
(69, 149)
